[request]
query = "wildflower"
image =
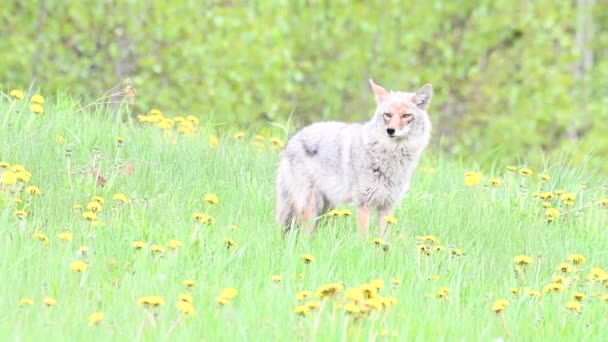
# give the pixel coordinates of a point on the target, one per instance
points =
(578, 296)
(545, 205)
(301, 310)
(21, 213)
(511, 168)
(456, 252)
(390, 219)
(352, 308)
(574, 306)
(78, 266)
(472, 178)
(379, 242)
(543, 177)
(185, 298)
(151, 301)
(23, 176)
(439, 248)
(346, 212)
(308, 258)
(558, 279)
(18, 94)
(234, 227)
(434, 277)
(41, 237)
(26, 301)
(33, 190)
(604, 202)
(189, 282)
(553, 287)
(576, 259)
(49, 301)
(568, 196)
(495, 182)
(552, 214)
(500, 305)
(329, 290)
(174, 244)
(564, 267)
(303, 295)
(8, 178)
(138, 245)
(230, 244)
(522, 260)
(207, 219)
(596, 273)
(213, 140)
(157, 249)
(534, 294)
(95, 318)
(276, 278)
(37, 99)
(313, 305)
(377, 283)
(354, 294)
(77, 206)
(604, 298)
(94, 206)
(239, 135)
(211, 198)
(186, 308)
(334, 213)
(368, 290)
(513, 290)
(277, 142)
(525, 171)
(89, 216)
(120, 198)
(98, 199)
(568, 203)
(36, 108)
(443, 292)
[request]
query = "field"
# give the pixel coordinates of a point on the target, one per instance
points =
(160, 227)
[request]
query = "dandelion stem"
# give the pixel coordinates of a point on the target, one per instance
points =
(174, 325)
(504, 326)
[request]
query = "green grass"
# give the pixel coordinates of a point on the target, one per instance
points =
(166, 175)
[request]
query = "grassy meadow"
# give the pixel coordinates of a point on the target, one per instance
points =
(160, 227)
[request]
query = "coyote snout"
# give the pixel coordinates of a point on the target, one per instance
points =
(329, 164)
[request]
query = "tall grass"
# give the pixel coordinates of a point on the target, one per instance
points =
(165, 175)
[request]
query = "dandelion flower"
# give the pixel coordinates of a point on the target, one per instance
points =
(604, 298)
(345, 212)
(500, 305)
(552, 213)
(26, 301)
(543, 177)
(138, 245)
(189, 282)
(234, 227)
(564, 267)
(277, 142)
(18, 94)
(239, 135)
(308, 258)
(576, 259)
(33, 190)
(41, 237)
(94, 206)
(354, 294)
(378, 242)
(525, 171)
(78, 266)
(443, 292)
(37, 99)
(186, 308)
(175, 244)
(157, 249)
(390, 219)
(213, 140)
(472, 178)
(120, 198)
(65, 236)
(522, 260)
(300, 296)
(8, 178)
(89, 216)
(604, 202)
(228, 293)
(151, 301)
(334, 213)
(578, 296)
(230, 244)
(37, 109)
(574, 306)
(301, 310)
(49, 301)
(185, 298)
(457, 252)
(276, 278)
(511, 168)
(495, 182)
(534, 294)
(21, 213)
(95, 318)
(211, 198)
(352, 308)
(329, 290)
(98, 199)
(596, 273)
(23, 176)
(568, 196)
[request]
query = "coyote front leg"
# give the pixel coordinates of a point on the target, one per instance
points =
(363, 221)
(309, 215)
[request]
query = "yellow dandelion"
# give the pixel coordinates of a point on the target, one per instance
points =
(545, 205)
(98, 199)
(352, 308)
(277, 142)
(568, 196)
(511, 168)
(495, 182)
(157, 249)
(138, 245)
(443, 292)
(377, 283)
(525, 171)
(21, 213)
(89, 216)
(522, 260)
(151, 301)
(23, 176)
(37, 109)
(230, 244)
(604, 202)
(33, 190)
(95, 318)
(576, 259)
(238, 135)
(18, 94)
(189, 282)
(78, 266)
(434, 277)
(472, 178)
(307, 258)
(574, 306)
(552, 213)
(118, 197)
(457, 252)
(41, 237)
(578, 296)
(564, 267)
(300, 296)
(38, 99)
(49, 301)
(334, 213)
(174, 244)
(94, 206)
(214, 141)
(354, 294)
(65, 236)
(185, 298)
(329, 290)
(534, 294)
(26, 301)
(604, 298)
(500, 305)
(229, 293)
(313, 305)
(301, 310)
(8, 178)
(345, 212)
(234, 227)
(543, 177)
(390, 219)
(211, 198)
(77, 206)
(276, 278)
(185, 308)
(378, 242)
(596, 273)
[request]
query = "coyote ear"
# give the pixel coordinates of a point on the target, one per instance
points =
(379, 92)
(423, 96)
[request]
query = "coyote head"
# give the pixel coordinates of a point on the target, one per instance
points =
(402, 114)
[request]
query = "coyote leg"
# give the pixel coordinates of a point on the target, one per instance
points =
(309, 214)
(363, 221)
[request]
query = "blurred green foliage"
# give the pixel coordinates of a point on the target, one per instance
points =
(510, 77)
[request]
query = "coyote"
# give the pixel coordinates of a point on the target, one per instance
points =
(369, 164)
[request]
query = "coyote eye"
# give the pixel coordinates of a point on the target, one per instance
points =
(406, 116)
(387, 115)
